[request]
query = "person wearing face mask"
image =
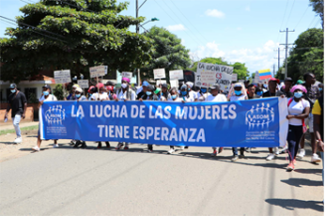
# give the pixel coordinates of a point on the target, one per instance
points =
(298, 110)
(79, 94)
(191, 93)
(203, 94)
(142, 90)
(46, 96)
(72, 96)
(91, 91)
(165, 95)
(184, 94)
(237, 93)
(125, 94)
(17, 102)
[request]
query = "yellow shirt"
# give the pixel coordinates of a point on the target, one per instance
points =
(316, 109)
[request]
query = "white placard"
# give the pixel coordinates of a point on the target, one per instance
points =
(62, 76)
(83, 84)
(127, 75)
(174, 83)
(159, 73)
(176, 75)
(198, 79)
(222, 75)
(158, 82)
(234, 77)
(97, 71)
(241, 81)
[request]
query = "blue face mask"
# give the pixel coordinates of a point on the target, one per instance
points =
(189, 89)
(90, 95)
(46, 93)
(259, 93)
(237, 92)
(320, 89)
(148, 93)
(297, 95)
(78, 95)
(184, 93)
(203, 90)
(13, 91)
(174, 97)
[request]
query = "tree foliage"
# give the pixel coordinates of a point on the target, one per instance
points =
(239, 68)
(308, 55)
(76, 35)
(318, 8)
(168, 52)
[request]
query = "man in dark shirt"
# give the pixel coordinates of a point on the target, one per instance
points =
(312, 95)
(271, 93)
(285, 90)
(251, 92)
(145, 85)
(18, 104)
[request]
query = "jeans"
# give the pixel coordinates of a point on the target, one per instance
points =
(235, 150)
(15, 122)
(294, 136)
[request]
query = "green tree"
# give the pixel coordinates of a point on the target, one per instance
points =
(168, 52)
(75, 35)
(318, 8)
(308, 55)
(239, 68)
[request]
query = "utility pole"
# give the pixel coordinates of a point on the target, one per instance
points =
(273, 70)
(137, 15)
(278, 58)
(286, 48)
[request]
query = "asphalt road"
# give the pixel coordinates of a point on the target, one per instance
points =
(69, 181)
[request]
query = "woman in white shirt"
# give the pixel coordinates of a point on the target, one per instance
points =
(46, 96)
(298, 110)
(125, 94)
(237, 93)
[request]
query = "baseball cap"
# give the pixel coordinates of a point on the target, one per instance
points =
(13, 85)
(184, 86)
(288, 79)
(237, 85)
(300, 82)
(75, 86)
(91, 88)
(145, 83)
(215, 86)
(164, 85)
(274, 80)
(150, 88)
(79, 90)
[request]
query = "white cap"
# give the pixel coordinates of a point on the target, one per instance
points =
(75, 86)
(78, 89)
(190, 84)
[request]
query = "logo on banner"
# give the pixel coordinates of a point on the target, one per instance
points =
(55, 115)
(259, 116)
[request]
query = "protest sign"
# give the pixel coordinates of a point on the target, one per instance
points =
(234, 77)
(256, 123)
(62, 76)
(127, 75)
(119, 78)
(198, 79)
(97, 71)
(83, 84)
(158, 82)
(159, 73)
(174, 83)
(176, 75)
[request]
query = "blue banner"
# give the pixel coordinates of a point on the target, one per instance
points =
(250, 123)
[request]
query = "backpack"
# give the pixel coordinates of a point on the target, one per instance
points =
(304, 127)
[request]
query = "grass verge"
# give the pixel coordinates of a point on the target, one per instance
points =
(22, 129)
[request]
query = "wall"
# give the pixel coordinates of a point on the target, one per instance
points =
(29, 115)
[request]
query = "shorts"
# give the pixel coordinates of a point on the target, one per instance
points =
(309, 121)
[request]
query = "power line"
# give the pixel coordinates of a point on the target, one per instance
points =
(285, 10)
(290, 12)
(302, 17)
(312, 22)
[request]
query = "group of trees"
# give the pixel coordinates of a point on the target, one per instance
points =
(78, 34)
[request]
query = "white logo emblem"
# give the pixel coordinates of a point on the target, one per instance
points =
(259, 116)
(55, 115)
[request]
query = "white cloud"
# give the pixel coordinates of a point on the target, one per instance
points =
(247, 8)
(178, 27)
(215, 13)
(258, 58)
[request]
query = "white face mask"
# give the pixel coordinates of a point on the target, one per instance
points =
(124, 85)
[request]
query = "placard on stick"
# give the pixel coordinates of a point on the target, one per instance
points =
(83, 84)
(127, 75)
(97, 71)
(176, 75)
(159, 73)
(174, 83)
(62, 76)
(158, 82)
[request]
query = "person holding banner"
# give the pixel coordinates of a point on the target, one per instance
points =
(237, 93)
(298, 110)
(91, 91)
(216, 96)
(46, 96)
(191, 92)
(71, 96)
(125, 94)
(142, 91)
(101, 94)
(165, 95)
(184, 94)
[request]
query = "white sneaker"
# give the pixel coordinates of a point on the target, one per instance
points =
(276, 151)
(182, 147)
(36, 148)
(270, 157)
(18, 140)
(301, 153)
(170, 151)
(55, 146)
(315, 158)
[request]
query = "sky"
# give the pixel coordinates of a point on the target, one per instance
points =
(245, 31)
